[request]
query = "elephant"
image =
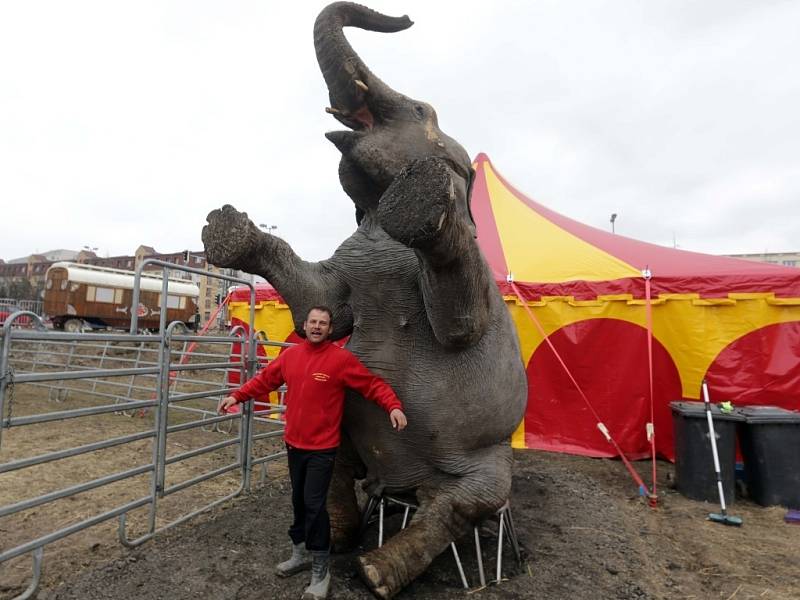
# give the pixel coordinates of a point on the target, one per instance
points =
(422, 309)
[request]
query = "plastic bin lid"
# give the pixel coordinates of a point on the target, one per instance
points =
(768, 414)
(698, 410)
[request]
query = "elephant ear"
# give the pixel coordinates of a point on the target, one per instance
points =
(474, 226)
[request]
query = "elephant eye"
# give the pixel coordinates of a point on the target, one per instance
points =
(419, 111)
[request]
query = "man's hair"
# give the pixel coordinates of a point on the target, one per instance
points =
(321, 308)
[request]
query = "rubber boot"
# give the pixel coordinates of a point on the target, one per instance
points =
(320, 576)
(299, 561)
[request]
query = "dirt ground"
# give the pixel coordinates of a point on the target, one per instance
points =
(584, 531)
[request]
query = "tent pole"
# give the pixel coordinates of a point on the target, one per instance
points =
(651, 433)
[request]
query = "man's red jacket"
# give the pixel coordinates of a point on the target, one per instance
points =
(316, 376)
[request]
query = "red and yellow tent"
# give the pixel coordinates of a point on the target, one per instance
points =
(602, 342)
(580, 303)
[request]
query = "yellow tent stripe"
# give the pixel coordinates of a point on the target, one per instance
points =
(540, 251)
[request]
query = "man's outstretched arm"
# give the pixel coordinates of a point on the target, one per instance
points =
(265, 381)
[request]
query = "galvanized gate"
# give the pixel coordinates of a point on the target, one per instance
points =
(155, 378)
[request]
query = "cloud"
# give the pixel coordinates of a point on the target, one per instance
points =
(126, 123)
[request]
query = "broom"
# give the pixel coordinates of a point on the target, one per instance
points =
(722, 516)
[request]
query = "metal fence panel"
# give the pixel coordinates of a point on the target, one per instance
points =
(151, 376)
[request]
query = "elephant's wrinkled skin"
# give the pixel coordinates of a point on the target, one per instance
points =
(422, 309)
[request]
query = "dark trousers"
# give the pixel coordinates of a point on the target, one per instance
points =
(310, 472)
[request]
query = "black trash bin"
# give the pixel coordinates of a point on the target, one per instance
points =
(695, 476)
(770, 441)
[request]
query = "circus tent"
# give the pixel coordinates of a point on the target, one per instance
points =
(612, 329)
(603, 343)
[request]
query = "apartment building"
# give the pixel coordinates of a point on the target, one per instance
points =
(787, 259)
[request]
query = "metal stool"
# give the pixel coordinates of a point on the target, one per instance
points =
(505, 524)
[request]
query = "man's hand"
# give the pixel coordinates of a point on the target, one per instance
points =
(398, 419)
(225, 404)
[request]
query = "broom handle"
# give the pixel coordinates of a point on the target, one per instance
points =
(713, 435)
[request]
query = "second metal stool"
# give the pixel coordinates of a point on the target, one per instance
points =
(505, 525)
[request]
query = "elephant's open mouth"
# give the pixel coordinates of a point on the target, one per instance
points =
(358, 120)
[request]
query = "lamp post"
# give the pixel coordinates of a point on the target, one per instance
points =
(613, 218)
(90, 250)
(268, 228)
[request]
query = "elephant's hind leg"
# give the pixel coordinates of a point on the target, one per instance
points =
(446, 513)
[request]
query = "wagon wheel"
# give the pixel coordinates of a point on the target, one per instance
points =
(179, 329)
(73, 325)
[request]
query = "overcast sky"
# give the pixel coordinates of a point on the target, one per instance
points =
(124, 123)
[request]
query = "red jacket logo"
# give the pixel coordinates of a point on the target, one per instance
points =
(321, 376)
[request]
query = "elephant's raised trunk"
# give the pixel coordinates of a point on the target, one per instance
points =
(356, 94)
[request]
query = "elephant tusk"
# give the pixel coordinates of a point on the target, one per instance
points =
(361, 85)
(441, 220)
(336, 111)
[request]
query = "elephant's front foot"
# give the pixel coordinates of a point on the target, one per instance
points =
(230, 237)
(388, 569)
(377, 575)
(416, 207)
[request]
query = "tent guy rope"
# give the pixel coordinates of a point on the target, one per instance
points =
(600, 425)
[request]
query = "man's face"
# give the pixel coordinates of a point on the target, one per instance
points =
(317, 326)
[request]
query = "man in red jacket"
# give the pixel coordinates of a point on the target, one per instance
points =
(316, 373)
